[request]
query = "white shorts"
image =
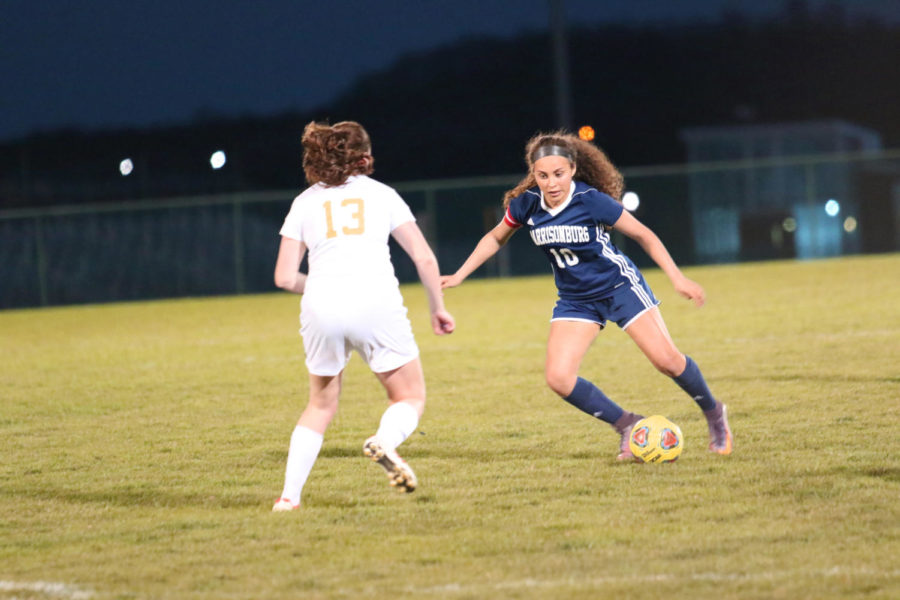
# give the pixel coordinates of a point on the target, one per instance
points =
(379, 331)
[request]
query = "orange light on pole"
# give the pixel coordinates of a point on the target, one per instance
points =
(586, 133)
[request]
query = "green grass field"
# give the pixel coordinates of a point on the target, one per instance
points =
(143, 445)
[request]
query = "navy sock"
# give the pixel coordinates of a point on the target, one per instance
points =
(587, 397)
(692, 382)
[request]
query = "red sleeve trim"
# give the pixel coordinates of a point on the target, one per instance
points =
(508, 219)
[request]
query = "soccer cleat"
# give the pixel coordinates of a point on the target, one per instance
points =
(284, 505)
(623, 427)
(719, 432)
(398, 472)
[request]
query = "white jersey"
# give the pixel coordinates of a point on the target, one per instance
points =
(352, 298)
(346, 230)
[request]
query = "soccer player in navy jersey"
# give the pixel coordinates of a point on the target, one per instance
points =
(569, 203)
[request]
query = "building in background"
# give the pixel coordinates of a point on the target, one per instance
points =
(766, 198)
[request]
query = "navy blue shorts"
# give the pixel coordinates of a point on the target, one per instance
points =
(624, 305)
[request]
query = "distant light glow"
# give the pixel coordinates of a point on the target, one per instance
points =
(850, 224)
(126, 167)
(832, 208)
(630, 201)
(218, 159)
(789, 224)
(586, 133)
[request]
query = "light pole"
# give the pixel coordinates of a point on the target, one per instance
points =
(560, 64)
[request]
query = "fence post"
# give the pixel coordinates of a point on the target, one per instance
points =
(431, 210)
(809, 174)
(237, 218)
(41, 257)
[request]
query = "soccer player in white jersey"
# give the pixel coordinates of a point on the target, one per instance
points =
(569, 203)
(351, 298)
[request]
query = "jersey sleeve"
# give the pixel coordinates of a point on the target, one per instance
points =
(515, 214)
(292, 227)
(400, 211)
(604, 209)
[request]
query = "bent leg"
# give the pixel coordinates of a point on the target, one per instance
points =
(405, 384)
(405, 387)
(650, 334)
(568, 343)
(306, 440)
(324, 393)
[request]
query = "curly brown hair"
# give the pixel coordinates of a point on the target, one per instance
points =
(332, 153)
(591, 165)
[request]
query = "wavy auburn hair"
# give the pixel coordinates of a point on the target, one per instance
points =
(591, 165)
(332, 153)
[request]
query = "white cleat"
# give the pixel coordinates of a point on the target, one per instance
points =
(399, 473)
(284, 505)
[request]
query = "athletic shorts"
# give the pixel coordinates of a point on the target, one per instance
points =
(623, 306)
(379, 332)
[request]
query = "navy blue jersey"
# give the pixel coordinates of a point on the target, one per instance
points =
(585, 262)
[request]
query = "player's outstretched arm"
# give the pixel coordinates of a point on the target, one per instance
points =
(410, 238)
(487, 247)
(287, 267)
(655, 249)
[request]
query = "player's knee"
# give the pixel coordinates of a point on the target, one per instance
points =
(323, 403)
(414, 395)
(560, 380)
(669, 364)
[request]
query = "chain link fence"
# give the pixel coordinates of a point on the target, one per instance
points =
(799, 207)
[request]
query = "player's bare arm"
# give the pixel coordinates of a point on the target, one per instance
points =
(410, 238)
(656, 250)
(487, 247)
(287, 267)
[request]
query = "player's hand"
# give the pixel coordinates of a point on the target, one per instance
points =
(442, 322)
(691, 290)
(448, 281)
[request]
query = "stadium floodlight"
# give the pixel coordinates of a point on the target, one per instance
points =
(832, 208)
(631, 201)
(217, 160)
(126, 166)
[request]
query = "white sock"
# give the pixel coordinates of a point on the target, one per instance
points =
(305, 446)
(397, 423)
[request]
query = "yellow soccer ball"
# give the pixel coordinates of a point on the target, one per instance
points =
(656, 439)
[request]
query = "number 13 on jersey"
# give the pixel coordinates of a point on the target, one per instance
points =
(350, 217)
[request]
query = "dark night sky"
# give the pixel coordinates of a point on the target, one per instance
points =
(110, 63)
